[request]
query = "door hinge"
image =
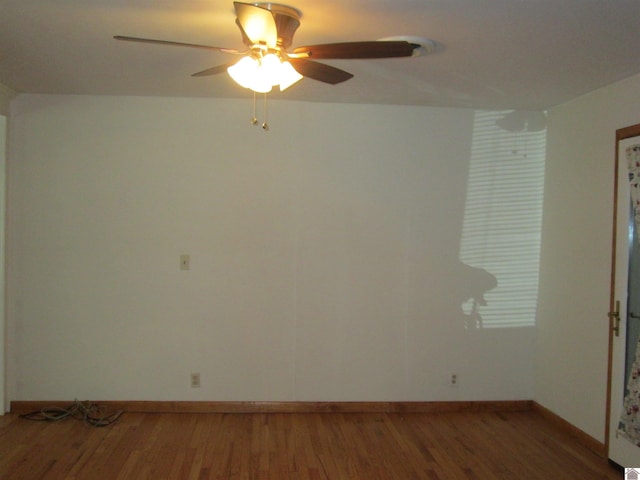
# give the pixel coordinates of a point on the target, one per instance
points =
(615, 318)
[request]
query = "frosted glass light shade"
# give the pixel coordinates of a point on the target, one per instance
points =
(247, 73)
(288, 76)
(244, 71)
(270, 69)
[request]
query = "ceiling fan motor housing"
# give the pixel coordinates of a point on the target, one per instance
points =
(287, 21)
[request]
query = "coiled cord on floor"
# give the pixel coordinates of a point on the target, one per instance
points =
(90, 413)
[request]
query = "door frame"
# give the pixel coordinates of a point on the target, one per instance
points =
(4, 338)
(621, 134)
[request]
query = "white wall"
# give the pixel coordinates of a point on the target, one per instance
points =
(6, 95)
(324, 254)
(572, 344)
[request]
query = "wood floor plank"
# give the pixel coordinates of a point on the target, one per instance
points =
(299, 446)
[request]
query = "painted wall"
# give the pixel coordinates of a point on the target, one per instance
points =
(572, 346)
(6, 95)
(324, 254)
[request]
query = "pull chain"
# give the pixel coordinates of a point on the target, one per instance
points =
(265, 125)
(254, 120)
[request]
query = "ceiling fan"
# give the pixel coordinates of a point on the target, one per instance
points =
(267, 30)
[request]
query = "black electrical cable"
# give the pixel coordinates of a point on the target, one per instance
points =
(90, 413)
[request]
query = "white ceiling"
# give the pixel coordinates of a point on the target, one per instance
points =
(504, 54)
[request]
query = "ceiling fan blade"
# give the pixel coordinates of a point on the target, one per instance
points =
(319, 71)
(372, 49)
(257, 23)
(213, 70)
(177, 44)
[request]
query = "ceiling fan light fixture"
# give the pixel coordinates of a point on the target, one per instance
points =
(261, 74)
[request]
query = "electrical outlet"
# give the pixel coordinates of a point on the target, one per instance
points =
(195, 380)
(453, 380)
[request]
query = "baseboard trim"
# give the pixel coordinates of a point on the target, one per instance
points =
(21, 407)
(137, 406)
(578, 435)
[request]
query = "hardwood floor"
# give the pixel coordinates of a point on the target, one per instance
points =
(300, 446)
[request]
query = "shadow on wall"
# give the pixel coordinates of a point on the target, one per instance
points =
(503, 219)
(472, 296)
